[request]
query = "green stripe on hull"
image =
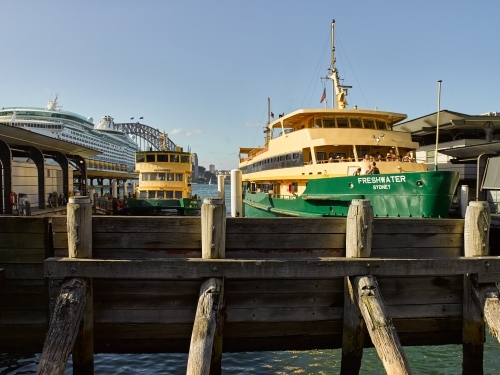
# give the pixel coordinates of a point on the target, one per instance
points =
(147, 207)
(412, 194)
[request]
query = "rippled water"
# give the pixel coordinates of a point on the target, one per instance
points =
(424, 360)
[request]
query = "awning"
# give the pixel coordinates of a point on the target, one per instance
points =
(448, 120)
(22, 137)
(472, 151)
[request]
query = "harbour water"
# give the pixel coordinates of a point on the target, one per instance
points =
(424, 360)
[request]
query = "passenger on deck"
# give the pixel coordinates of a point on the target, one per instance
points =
(357, 172)
(407, 157)
(367, 158)
(375, 169)
(330, 160)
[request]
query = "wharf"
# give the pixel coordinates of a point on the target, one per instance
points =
(211, 285)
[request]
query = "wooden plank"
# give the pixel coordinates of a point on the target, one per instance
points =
(263, 300)
(115, 224)
(146, 287)
(284, 314)
(22, 225)
(23, 301)
(276, 286)
(22, 241)
(20, 255)
(417, 226)
(289, 240)
(411, 284)
(270, 268)
(285, 225)
(381, 241)
(418, 252)
(30, 271)
(23, 316)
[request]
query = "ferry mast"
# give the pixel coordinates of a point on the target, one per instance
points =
(338, 90)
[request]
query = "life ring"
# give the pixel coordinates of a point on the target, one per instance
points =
(13, 198)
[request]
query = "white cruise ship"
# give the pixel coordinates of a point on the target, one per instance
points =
(116, 147)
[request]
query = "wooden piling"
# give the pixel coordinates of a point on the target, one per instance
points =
(205, 351)
(372, 307)
(476, 230)
(358, 245)
(71, 326)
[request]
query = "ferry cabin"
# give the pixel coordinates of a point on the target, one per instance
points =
(164, 174)
(320, 143)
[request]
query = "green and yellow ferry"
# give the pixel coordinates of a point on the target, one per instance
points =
(164, 185)
(315, 161)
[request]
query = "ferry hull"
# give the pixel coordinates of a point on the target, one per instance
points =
(159, 207)
(412, 194)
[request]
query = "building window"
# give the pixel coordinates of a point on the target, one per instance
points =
(178, 177)
(429, 156)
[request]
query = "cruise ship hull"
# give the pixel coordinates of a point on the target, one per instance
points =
(414, 194)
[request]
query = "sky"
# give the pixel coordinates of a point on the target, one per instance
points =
(203, 70)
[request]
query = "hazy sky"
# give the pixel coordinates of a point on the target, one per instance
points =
(202, 70)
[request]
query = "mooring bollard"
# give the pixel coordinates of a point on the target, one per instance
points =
(74, 303)
(205, 351)
(476, 243)
(364, 291)
(236, 197)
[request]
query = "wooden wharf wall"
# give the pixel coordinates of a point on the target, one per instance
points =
(24, 302)
(265, 314)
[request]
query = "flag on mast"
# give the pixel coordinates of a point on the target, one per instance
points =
(323, 97)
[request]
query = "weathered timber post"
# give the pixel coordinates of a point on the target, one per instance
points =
(366, 293)
(72, 324)
(358, 245)
(476, 243)
(205, 351)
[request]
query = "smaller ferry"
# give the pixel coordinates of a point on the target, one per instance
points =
(316, 161)
(164, 184)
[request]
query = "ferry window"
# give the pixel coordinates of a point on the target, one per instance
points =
(161, 176)
(185, 159)
(152, 177)
(178, 194)
(381, 125)
(150, 158)
(169, 194)
(160, 194)
(369, 124)
(289, 157)
(294, 187)
(144, 176)
(356, 123)
(342, 122)
(310, 123)
(151, 194)
(170, 176)
(178, 177)
(174, 158)
(320, 155)
(329, 122)
(143, 194)
(139, 158)
(162, 158)
(317, 123)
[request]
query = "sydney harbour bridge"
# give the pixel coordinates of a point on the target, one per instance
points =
(146, 137)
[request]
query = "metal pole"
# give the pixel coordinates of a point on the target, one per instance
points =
(332, 67)
(437, 127)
